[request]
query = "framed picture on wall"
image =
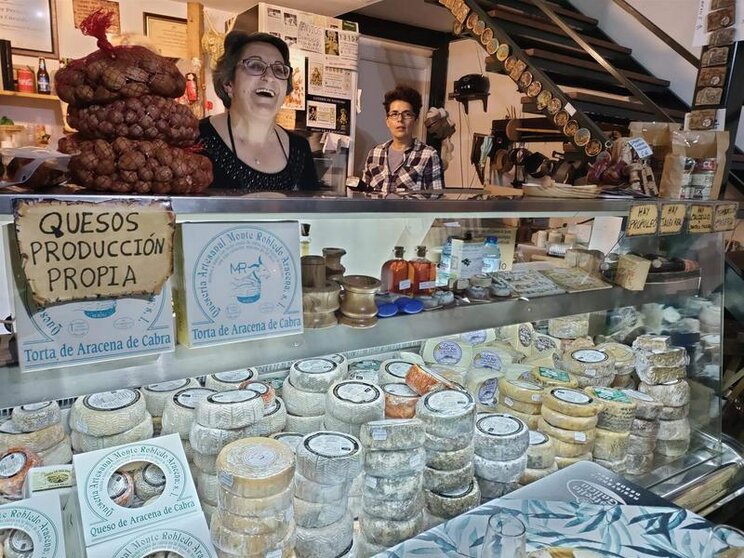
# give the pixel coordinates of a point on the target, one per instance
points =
(168, 33)
(30, 26)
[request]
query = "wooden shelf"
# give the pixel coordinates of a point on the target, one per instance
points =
(35, 96)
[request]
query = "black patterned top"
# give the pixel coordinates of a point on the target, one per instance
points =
(232, 173)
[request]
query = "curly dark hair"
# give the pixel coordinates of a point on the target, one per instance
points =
(406, 94)
(235, 41)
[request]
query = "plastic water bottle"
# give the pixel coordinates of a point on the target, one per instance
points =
(445, 263)
(491, 255)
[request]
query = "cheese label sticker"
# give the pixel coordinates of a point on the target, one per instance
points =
(370, 481)
(638, 395)
(554, 374)
(365, 365)
(400, 390)
(36, 406)
(488, 359)
(487, 391)
(580, 436)
(474, 337)
(154, 475)
(611, 395)
(499, 425)
(233, 396)
(399, 368)
(316, 366)
(173, 385)
(448, 401)
(405, 284)
(525, 335)
(331, 445)
(356, 392)
(571, 396)
(234, 376)
(12, 464)
(117, 486)
(20, 541)
(589, 356)
(447, 352)
(190, 397)
(111, 400)
(537, 438)
(379, 434)
(508, 401)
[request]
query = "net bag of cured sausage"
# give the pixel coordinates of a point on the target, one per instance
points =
(133, 137)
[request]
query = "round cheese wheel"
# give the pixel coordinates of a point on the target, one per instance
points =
(674, 413)
(262, 507)
(61, 454)
(157, 395)
(647, 408)
(590, 363)
(402, 487)
(36, 416)
(41, 440)
(83, 442)
(618, 466)
(547, 377)
(108, 413)
(623, 355)
(453, 503)
(15, 464)
(439, 443)
(225, 381)
(500, 437)
(205, 463)
(570, 436)
(382, 463)
(242, 544)
(315, 515)
(491, 489)
(521, 391)
(274, 420)
(355, 402)
(121, 488)
(526, 408)
(386, 532)
(342, 362)
(207, 487)
(18, 544)
(365, 370)
(423, 379)
(609, 445)
(230, 409)
(396, 510)
(149, 482)
(671, 394)
(618, 410)
(311, 491)
(255, 467)
(447, 413)
(566, 422)
(674, 430)
(645, 428)
(456, 459)
(302, 403)
(304, 425)
(394, 370)
(392, 434)
(315, 374)
(541, 453)
(499, 471)
(209, 441)
(179, 412)
(264, 389)
(400, 400)
(333, 424)
(571, 402)
(442, 481)
(329, 457)
(641, 445)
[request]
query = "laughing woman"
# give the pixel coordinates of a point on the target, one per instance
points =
(249, 151)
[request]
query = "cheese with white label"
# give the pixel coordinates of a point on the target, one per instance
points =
(41, 440)
(302, 403)
(530, 420)
(179, 412)
(567, 422)
(526, 408)
(639, 464)
(570, 402)
(157, 395)
(442, 480)
(225, 381)
(400, 400)
(329, 457)
(304, 425)
(355, 402)
(641, 445)
(674, 430)
(209, 441)
(672, 448)
(570, 436)
(395, 434)
(563, 462)
(522, 391)
(447, 352)
(447, 413)
(547, 377)
(618, 410)
(241, 544)
(448, 460)
(670, 394)
(452, 503)
(674, 413)
(645, 428)
(36, 416)
(387, 532)
(398, 509)
(541, 452)
(259, 507)
(532, 475)
(108, 413)
(229, 410)
(591, 363)
(402, 487)
(500, 437)
(499, 471)
(609, 445)
(650, 342)
(60, 454)
(394, 371)
(15, 463)
(647, 408)
(568, 449)
(255, 467)
(382, 463)
(315, 374)
(84, 443)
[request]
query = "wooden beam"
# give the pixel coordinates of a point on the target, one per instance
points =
(194, 33)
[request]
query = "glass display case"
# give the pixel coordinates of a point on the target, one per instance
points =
(683, 302)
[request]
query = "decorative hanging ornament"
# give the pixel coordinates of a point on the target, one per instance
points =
(213, 42)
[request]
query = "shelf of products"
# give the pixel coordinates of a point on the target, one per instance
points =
(29, 96)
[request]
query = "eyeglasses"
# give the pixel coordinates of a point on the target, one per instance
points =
(405, 115)
(257, 67)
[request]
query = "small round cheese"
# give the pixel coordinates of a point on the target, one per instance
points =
(178, 414)
(670, 394)
(225, 381)
(453, 503)
(647, 408)
(499, 471)
(355, 402)
(394, 370)
(541, 453)
(609, 445)
(500, 437)
(108, 413)
(448, 460)
(400, 400)
(121, 489)
(570, 436)
(388, 533)
(36, 416)
(398, 509)
(402, 487)
(302, 403)
(618, 410)
(547, 377)
(395, 434)
(329, 457)
(84, 443)
(447, 413)
(315, 374)
(566, 422)
(442, 481)
(15, 464)
(255, 467)
(570, 402)
(157, 395)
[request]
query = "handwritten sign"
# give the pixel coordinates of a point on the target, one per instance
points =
(672, 218)
(724, 218)
(643, 219)
(700, 219)
(82, 251)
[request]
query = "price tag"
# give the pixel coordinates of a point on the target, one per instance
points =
(643, 219)
(569, 108)
(700, 219)
(641, 148)
(725, 217)
(672, 218)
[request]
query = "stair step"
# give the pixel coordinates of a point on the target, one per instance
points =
(574, 19)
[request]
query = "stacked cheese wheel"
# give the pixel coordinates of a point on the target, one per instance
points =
(400, 400)
(15, 464)
(662, 370)
(366, 370)
(553, 377)
(392, 501)
(351, 403)
(643, 433)
(108, 419)
(274, 417)
(220, 419)
(448, 416)
(612, 435)
(157, 396)
(292, 439)
(304, 393)
(178, 416)
(149, 483)
(254, 515)
(624, 364)
(569, 327)
(522, 399)
(501, 444)
(327, 463)
(540, 458)
(226, 381)
(591, 366)
(569, 417)
(38, 427)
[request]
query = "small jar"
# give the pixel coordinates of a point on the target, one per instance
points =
(319, 305)
(358, 308)
(313, 271)
(334, 269)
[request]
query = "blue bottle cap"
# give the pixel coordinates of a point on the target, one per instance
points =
(387, 310)
(413, 306)
(402, 301)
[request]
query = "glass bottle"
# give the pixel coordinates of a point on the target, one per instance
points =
(397, 273)
(43, 83)
(304, 239)
(424, 273)
(445, 263)
(491, 255)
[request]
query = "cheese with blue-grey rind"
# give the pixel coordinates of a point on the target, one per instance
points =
(387, 532)
(41, 440)
(302, 403)
(451, 503)
(647, 408)
(314, 374)
(492, 489)
(314, 515)
(157, 395)
(36, 416)
(439, 443)
(108, 413)
(618, 410)
(670, 394)
(86, 443)
(209, 441)
(394, 370)
(500, 437)
(650, 342)
(447, 352)
(355, 402)
(541, 453)
(382, 463)
(274, 420)
(398, 509)
(674, 430)
(303, 425)
(499, 471)
(447, 413)
(231, 379)
(320, 493)
(329, 457)
(392, 434)
(255, 467)
(441, 481)
(403, 487)
(230, 409)
(179, 412)
(456, 459)
(327, 541)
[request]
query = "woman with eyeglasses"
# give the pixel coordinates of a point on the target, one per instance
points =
(249, 151)
(404, 163)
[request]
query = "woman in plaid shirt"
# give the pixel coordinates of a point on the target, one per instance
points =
(404, 163)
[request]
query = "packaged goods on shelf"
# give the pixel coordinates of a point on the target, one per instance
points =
(51, 479)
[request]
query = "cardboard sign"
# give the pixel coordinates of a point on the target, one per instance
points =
(83, 251)
(672, 218)
(724, 218)
(643, 220)
(34, 523)
(700, 219)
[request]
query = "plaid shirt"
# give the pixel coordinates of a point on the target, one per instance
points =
(421, 169)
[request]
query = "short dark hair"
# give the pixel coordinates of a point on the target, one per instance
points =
(235, 41)
(406, 94)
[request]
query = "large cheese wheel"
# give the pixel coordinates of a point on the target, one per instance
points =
(314, 374)
(609, 445)
(241, 544)
(522, 391)
(179, 412)
(264, 389)
(157, 395)
(314, 515)
(439, 443)
(547, 377)
(395, 434)
(670, 394)
(623, 355)
(526, 408)
(397, 510)
(304, 425)
(566, 422)
(394, 370)
(453, 503)
(568, 449)
(274, 420)
(402, 487)
(255, 467)
(388, 533)
(448, 460)
(210, 441)
(570, 402)
(442, 481)
(330, 540)
(500, 437)
(262, 507)
(329, 457)
(618, 410)
(382, 463)
(36, 416)
(499, 471)
(230, 409)
(570, 436)
(311, 491)
(225, 381)
(302, 403)
(591, 363)
(447, 413)
(41, 440)
(15, 464)
(400, 400)
(529, 420)
(84, 442)
(108, 413)
(355, 402)
(647, 408)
